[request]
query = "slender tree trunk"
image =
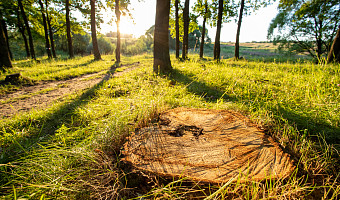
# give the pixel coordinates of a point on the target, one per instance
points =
(162, 63)
(203, 30)
(5, 60)
(237, 44)
(186, 30)
(68, 30)
(50, 31)
(319, 48)
(22, 31)
(177, 29)
(30, 38)
(4, 26)
(217, 46)
(47, 42)
(334, 53)
(94, 32)
(117, 11)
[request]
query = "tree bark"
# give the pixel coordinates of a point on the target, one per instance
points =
(177, 28)
(334, 53)
(237, 44)
(50, 31)
(117, 11)
(47, 42)
(203, 30)
(186, 30)
(22, 31)
(5, 60)
(30, 38)
(68, 30)
(162, 63)
(96, 52)
(4, 26)
(217, 46)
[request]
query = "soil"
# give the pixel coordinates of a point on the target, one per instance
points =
(205, 145)
(45, 93)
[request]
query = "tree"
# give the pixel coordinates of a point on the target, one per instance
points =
(68, 29)
(94, 32)
(306, 26)
(255, 5)
(202, 9)
(47, 42)
(334, 53)
(237, 43)
(117, 11)
(30, 38)
(121, 9)
(162, 63)
(21, 29)
(203, 28)
(217, 47)
(50, 30)
(186, 21)
(4, 27)
(177, 27)
(5, 60)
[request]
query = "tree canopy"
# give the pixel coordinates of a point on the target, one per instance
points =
(302, 26)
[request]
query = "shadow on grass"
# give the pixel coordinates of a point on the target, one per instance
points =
(212, 94)
(46, 126)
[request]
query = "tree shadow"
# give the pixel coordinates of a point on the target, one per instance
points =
(202, 89)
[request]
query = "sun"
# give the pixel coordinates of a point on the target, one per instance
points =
(127, 26)
(137, 26)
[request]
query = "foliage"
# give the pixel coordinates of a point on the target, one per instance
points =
(104, 44)
(192, 22)
(306, 26)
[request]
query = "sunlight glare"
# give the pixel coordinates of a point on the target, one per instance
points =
(137, 26)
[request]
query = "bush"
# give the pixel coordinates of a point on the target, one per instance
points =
(105, 46)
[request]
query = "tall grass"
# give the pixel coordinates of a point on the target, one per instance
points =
(72, 149)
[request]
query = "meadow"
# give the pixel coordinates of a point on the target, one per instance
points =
(72, 150)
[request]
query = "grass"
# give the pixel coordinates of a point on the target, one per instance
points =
(264, 52)
(72, 150)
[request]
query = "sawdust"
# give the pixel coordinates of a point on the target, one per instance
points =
(207, 145)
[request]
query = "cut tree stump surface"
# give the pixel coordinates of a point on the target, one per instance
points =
(207, 145)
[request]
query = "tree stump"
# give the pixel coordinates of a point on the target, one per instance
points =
(13, 78)
(205, 145)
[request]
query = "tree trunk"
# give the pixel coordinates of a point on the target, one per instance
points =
(186, 30)
(117, 11)
(162, 63)
(50, 31)
(237, 44)
(94, 32)
(334, 53)
(68, 30)
(4, 26)
(217, 47)
(30, 38)
(177, 29)
(22, 31)
(47, 42)
(5, 60)
(203, 30)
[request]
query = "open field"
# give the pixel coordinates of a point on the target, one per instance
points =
(72, 149)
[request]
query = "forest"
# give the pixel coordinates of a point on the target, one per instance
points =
(175, 113)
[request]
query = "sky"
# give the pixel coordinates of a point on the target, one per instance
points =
(254, 27)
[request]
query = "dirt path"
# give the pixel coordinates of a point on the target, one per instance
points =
(42, 95)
